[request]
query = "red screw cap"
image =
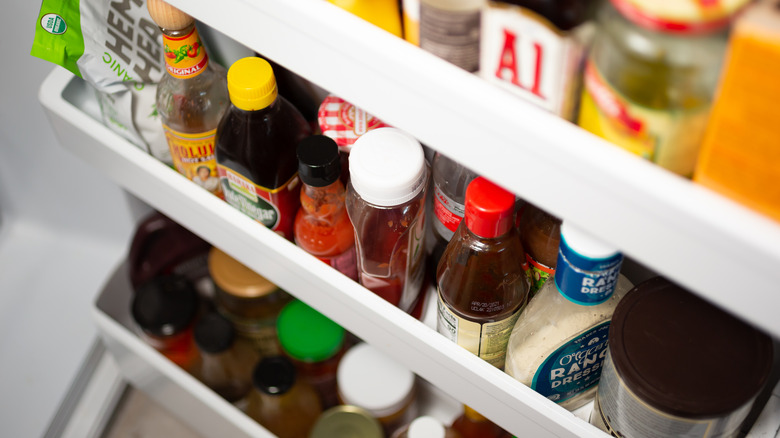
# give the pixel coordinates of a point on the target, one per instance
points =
(489, 209)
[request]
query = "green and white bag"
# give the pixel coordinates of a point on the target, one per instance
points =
(117, 48)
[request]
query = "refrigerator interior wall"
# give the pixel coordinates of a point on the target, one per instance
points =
(63, 228)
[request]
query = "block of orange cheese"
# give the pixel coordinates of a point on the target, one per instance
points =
(740, 156)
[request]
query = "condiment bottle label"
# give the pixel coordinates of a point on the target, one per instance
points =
(486, 340)
(624, 414)
(524, 53)
(539, 273)
(447, 213)
(575, 366)
(667, 137)
(261, 204)
(451, 35)
(193, 156)
(185, 57)
(346, 263)
(583, 280)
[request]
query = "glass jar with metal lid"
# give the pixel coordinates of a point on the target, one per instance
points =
(677, 366)
(651, 75)
(346, 421)
(248, 300)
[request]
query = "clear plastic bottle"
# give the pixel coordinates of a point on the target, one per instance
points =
(450, 180)
(651, 75)
(482, 284)
(256, 142)
(386, 203)
(191, 98)
(225, 361)
(285, 405)
(322, 226)
(559, 342)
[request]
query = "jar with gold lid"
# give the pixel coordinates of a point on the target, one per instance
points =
(248, 300)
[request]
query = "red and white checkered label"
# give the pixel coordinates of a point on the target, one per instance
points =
(344, 122)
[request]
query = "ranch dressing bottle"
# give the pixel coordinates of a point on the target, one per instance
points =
(559, 342)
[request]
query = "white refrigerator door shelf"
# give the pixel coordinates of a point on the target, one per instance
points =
(684, 231)
(463, 376)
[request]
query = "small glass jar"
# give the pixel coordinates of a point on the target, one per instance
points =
(248, 300)
(540, 233)
(165, 309)
(315, 344)
(225, 361)
(375, 382)
(651, 76)
(346, 421)
(281, 402)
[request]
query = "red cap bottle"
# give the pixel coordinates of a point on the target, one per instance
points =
(489, 209)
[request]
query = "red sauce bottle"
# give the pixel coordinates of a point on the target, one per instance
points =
(482, 283)
(386, 203)
(322, 226)
(256, 142)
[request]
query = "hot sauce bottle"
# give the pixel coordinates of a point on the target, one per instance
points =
(322, 226)
(191, 98)
(256, 142)
(482, 283)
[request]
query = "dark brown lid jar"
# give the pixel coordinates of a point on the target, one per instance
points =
(678, 366)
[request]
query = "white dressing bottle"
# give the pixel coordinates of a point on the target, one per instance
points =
(559, 342)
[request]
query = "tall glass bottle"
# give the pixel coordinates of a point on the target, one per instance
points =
(450, 180)
(191, 98)
(322, 226)
(559, 342)
(256, 142)
(225, 361)
(283, 404)
(386, 204)
(482, 284)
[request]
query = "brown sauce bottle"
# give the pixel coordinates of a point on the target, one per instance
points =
(256, 143)
(540, 233)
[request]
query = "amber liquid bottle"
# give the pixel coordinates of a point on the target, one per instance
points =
(471, 424)
(191, 98)
(256, 142)
(482, 284)
(282, 403)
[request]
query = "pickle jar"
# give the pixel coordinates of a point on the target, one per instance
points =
(651, 75)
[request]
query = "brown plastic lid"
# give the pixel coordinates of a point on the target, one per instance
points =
(167, 16)
(235, 278)
(684, 356)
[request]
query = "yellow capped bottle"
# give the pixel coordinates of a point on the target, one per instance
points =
(191, 98)
(256, 144)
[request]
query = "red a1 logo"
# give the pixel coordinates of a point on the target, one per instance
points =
(522, 52)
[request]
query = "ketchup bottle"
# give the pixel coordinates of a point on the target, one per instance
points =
(322, 226)
(256, 142)
(386, 203)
